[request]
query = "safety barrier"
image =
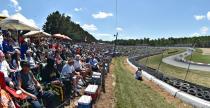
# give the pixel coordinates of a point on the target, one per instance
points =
(187, 98)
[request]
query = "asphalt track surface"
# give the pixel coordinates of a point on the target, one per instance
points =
(171, 61)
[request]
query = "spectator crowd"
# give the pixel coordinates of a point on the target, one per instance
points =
(29, 66)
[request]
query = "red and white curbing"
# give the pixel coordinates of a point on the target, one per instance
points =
(185, 97)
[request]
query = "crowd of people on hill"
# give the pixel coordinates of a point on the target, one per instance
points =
(28, 64)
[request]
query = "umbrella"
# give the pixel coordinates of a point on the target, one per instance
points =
(66, 37)
(16, 24)
(37, 34)
(58, 36)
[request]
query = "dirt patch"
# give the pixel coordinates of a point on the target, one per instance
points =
(170, 99)
(206, 51)
(107, 99)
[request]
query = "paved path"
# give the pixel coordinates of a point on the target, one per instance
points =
(171, 61)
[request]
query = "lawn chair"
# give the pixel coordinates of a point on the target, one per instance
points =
(16, 97)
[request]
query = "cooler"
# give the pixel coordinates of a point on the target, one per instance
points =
(92, 90)
(85, 102)
(96, 74)
(96, 80)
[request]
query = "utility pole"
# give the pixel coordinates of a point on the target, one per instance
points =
(115, 42)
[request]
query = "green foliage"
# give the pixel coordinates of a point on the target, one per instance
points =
(202, 41)
(60, 23)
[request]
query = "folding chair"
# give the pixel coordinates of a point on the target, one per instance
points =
(18, 97)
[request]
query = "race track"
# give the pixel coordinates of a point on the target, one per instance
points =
(171, 61)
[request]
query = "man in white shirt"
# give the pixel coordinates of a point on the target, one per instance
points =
(68, 68)
(78, 66)
(69, 71)
(77, 63)
(4, 67)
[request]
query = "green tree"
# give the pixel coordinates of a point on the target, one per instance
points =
(60, 23)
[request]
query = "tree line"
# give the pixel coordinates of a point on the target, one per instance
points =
(201, 41)
(61, 23)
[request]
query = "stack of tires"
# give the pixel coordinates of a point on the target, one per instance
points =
(196, 90)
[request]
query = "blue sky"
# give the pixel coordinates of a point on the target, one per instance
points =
(136, 18)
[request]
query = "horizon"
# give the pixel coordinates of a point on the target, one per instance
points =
(140, 19)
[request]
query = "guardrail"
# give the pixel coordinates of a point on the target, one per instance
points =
(196, 95)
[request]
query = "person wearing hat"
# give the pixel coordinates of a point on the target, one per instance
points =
(69, 71)
(31, 60)
(5, 68)
(29, 85)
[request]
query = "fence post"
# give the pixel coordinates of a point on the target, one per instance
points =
(103, 77)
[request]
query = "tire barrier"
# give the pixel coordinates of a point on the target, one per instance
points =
(184, 86)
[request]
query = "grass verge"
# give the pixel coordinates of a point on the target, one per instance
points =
(198, 77)
(199, 57)
(131, 93)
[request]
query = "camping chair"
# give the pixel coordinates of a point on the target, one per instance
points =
(17, 97)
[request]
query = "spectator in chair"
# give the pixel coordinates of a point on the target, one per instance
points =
(80, 66)
(7, 46)
(93, 62)
(5, 68)
(16, 60)
(69, 71)
(33, 65)
(49, 73)
(31, 87)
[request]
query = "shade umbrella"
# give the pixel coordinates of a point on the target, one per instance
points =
(66, 37)
(58, 36)
(15, 24)
(37, 34)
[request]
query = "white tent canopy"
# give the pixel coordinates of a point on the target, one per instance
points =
(15, 25)
(37, 34)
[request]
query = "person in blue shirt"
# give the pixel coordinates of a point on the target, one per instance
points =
(23, 49)
(93, 62)
(7, 46)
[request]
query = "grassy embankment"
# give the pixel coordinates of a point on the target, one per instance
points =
(199, 57)
(131, 93)
(198, 77)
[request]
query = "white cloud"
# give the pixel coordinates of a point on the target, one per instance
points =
(103, 36)
(16, 5)
(199, 17)
(208, 15)
(22, 18)
(102, 15)
(77, 22)
(119, 29)
(14, 2)
(195, 34)
(204, 30)
(4, 13)
(19, 8)
(90, 27)
(77, 9)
